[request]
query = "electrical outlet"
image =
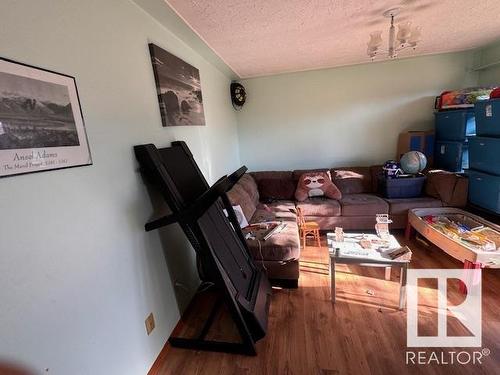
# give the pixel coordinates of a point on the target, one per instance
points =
(150, 323)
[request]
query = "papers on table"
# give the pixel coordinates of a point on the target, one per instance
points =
(379, 250)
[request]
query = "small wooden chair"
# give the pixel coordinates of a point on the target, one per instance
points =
(307, 228)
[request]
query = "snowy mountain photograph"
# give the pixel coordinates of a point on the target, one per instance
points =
(35, 114)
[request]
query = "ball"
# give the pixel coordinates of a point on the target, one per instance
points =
(413, 162)
(391, 168)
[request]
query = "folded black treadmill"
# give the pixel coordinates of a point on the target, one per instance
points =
(217, 239)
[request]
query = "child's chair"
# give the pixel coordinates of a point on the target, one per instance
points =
(307, 228)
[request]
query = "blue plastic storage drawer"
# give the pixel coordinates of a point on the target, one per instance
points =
(430, 139)
(484, 190)
(455, 125)
(451, 156)
(488, 118)
(484, 154)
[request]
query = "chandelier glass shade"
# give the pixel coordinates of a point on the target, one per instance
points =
(406, 37)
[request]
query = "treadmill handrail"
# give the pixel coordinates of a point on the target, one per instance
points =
(194, 210)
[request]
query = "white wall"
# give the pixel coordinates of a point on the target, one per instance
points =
(343, 116)
(485, 56)
(78, 274)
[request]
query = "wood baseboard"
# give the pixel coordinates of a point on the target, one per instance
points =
(155, 369)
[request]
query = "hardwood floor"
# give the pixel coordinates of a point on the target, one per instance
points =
(363, 333)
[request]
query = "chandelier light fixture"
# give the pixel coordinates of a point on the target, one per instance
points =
(406, 37)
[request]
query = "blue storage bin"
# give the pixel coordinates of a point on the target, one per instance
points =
(451, 156)
(484, 154)
(402, 187)
(484, 190)
(455, 125)
(488, 118)
(430, 139)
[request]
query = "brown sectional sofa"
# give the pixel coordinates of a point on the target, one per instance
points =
(269, 195)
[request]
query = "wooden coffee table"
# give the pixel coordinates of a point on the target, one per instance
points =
(351, 252)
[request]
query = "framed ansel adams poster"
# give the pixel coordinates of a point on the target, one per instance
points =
(178, 88)
(41, 123)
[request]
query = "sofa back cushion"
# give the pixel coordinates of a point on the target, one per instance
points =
(238, 196)
(275, 188)
(376, 171)
(250, 186)
(282, 175)
(274, 185)
(353, 180)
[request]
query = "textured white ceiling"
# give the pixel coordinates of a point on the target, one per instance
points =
(262, 37)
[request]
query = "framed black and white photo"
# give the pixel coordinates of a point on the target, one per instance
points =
(178, 88)
(41, 123)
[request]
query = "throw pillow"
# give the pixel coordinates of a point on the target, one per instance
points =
(316, 184)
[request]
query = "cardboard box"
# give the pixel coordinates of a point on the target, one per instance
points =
(418, 140)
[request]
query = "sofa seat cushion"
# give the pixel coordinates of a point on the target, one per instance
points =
(282, 246)
(276, 211)
(320, 207)
(402, 205)
(286, 207)
(363, 205)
